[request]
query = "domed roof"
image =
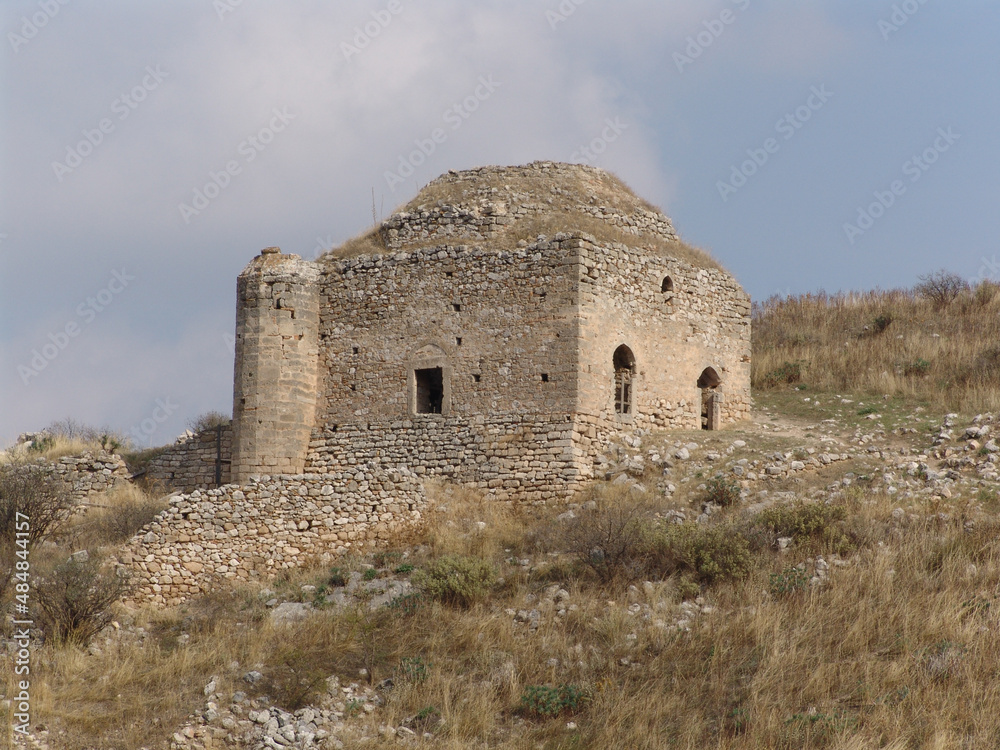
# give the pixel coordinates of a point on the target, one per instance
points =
(501, 207)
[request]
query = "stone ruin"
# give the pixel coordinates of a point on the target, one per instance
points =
(495, 331)
(498, 331)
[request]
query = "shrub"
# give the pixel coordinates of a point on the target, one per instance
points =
(787, 374)
(791, 580)
(543, 701)
(711, 554)
(32, 491)
(985, 292)
(414, 669)
(296, 680)
(406, 604)
(209, 421)
(75, 600)
(802, 521)
(722, 491)
(941, 287)
(336, 577)
(456, 580)
(919, 366)
(610, 538)
(879, 324)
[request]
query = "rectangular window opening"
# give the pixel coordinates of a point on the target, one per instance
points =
(457, 307)
(545, 377)
(458, 341)
(430, 390)
(476, 378)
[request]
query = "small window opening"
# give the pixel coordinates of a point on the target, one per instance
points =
(449, 274)
(545, 377)
(624, 364)
(430, 390)
(667, 286)
(458, 307)
(333, 428)
(476, 378)
(355, 349)
(458, 341)
(353, 387)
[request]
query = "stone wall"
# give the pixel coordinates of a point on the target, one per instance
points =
(702, 321)
(528, 457)
(189, 464)
(501, 324)
(90, 473)
(269, 524)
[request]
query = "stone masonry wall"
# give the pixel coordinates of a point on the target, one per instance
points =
(269, 524)
(189, 464)
(91, 473)
(704, 321)
(534, 458)
(501, 324)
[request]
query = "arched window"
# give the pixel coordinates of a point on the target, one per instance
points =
(667, 287)
(624, 364)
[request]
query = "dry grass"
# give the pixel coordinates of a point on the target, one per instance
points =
(898, 649)
(886, 342)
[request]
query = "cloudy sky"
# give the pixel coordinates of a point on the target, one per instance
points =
(149, 150)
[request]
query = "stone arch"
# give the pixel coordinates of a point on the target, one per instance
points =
(710, 385)
(428, 376)
(667, 285)
(624, 367)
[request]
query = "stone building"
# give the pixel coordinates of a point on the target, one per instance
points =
(497, 330)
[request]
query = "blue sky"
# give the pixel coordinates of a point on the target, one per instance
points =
(807, 145)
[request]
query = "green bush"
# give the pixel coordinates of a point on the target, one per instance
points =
(414, 669)
(722, 491)
(543, 701)
(337, 577)
(791, 580)
(456, 580)
(919, 366)
(802, 520)
(711, 554)
(787, 374)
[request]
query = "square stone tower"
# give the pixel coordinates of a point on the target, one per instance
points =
(496, 331)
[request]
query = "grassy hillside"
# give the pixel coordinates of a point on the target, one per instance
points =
(898, 342)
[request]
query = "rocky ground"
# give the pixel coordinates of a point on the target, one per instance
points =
(813, 447)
